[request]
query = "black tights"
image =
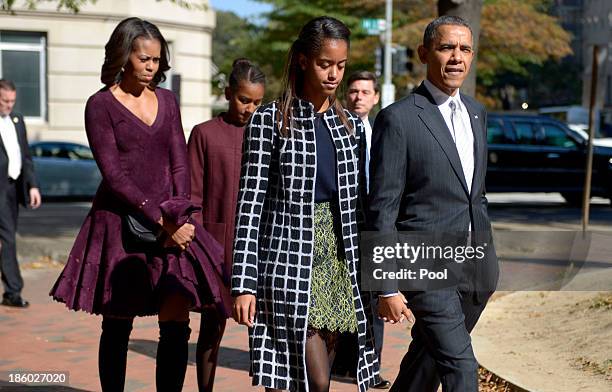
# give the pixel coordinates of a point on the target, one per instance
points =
(171, 360)
(320, 353)
(212, 326)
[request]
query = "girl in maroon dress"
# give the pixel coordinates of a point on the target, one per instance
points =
(215, 152)
(135, 132)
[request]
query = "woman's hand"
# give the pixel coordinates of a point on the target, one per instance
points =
(178, 236)
(244, 309)
(184, 235)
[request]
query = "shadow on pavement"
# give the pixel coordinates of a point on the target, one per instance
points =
(230, 358)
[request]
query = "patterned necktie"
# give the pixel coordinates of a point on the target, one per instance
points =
(464, 141)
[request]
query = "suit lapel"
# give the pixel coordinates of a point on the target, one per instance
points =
(433, 120)
(21, 137)
(479, 143)
(2, 146)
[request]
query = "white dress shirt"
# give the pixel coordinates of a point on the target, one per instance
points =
(368, 136)
(443, 100)
(11, 145)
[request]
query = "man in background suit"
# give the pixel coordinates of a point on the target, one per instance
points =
(17, 186)
(427, 172)
(363, 93)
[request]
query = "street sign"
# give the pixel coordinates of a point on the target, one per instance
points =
(373, 26)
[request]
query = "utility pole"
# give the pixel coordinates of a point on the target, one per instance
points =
(586, 196)
(388, 89)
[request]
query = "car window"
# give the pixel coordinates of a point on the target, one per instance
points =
(63, 151)
(524, 132)
(81, 152)
(556, 136)
(43, 150)
(495, 132)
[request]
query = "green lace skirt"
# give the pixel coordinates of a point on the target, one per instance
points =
(331, 292)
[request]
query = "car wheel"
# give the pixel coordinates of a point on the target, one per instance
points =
(573, 198)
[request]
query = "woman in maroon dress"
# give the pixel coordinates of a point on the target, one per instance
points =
(135, 132)
(215, 152)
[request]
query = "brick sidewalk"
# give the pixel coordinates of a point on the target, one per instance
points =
(47, 337)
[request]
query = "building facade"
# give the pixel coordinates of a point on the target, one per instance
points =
(597, 29)
(55, 57)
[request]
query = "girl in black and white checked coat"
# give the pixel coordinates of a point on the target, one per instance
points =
(295, 252)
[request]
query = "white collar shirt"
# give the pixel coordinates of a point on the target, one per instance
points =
(368, 136)
(11, 146)
(443, 101)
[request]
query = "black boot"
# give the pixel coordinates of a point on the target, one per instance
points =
(172, 353)
(112, 355)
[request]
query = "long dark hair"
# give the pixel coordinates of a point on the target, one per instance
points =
(120, 45)
(309, 43)
(244, 70)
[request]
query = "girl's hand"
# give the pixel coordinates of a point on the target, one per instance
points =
(244, 309)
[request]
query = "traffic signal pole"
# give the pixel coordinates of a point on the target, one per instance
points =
(388, 89)
(586, 196)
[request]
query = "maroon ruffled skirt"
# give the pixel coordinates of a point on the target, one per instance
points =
(102, 277)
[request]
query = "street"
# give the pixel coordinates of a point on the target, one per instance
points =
(48, 337)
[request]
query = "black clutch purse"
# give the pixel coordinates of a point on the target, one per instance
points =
(139, 230)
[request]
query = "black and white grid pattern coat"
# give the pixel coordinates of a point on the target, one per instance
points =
(273, 247)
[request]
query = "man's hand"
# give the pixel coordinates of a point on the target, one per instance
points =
(35, 198)
(393, 309)
(244, 309)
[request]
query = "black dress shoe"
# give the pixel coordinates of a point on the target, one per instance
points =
(16, 302)
(383, 384)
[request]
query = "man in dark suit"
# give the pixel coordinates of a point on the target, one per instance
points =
(427, 171)
(17, 186)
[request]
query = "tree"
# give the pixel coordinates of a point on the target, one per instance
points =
(230, 41)
(510, 42)
(516, 37)
(75, 5)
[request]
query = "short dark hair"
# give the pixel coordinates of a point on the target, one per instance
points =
(363, 75)
(6, 84)
(431, 31)
(243, 70)
(120, 45)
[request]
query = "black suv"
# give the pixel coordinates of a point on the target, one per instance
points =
(529, 153)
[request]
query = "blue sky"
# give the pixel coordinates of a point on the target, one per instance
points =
(243, 8)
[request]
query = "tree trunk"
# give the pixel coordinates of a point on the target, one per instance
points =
(470, 11)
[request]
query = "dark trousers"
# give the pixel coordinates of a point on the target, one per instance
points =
(378, 327)
(11, 276)
(441, 349)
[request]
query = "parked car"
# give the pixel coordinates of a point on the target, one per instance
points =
(530, 153)
(65, 169)
(577, 118)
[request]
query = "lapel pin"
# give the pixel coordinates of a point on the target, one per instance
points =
(15, 120)
(475, 116)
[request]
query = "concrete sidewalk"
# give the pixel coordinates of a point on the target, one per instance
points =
(48, 337)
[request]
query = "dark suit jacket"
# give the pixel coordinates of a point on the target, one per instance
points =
(27, 179)
(416, 179)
